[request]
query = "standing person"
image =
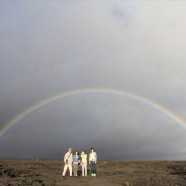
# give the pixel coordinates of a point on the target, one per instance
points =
(68, 162)
(93, 161)
(75, 162)
(84, 163)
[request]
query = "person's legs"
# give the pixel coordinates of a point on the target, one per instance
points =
(65, 169)
(94, 169)
(91, 169)
(75, 169)
(70, 169)
(85, 169)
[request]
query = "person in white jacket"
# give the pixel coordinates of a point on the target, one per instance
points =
(68, 159)
(93, 161)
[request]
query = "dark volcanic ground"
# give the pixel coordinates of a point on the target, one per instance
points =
(123, 173)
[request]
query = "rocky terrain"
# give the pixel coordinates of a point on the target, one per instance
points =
(119, 173)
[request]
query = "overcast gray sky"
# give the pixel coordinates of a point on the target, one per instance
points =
(51, 47)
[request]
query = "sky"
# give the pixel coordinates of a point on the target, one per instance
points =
(63, 48)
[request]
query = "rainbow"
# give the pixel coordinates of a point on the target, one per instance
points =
(76, 92)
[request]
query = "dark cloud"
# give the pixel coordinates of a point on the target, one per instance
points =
(51, 47)
(117, 127)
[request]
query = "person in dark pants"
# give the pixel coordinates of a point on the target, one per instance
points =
(93, 161)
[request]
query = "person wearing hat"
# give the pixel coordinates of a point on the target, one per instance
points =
(68, 159)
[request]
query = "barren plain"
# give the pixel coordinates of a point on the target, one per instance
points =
(109, 173)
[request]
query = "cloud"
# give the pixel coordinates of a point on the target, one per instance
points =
(47, 48)
(110, 123)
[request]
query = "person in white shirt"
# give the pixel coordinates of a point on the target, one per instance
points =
(68, 159)
(93, 161)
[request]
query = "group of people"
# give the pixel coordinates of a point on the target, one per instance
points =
(72, 161)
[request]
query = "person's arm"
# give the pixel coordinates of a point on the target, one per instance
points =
(65, 157)
(89, 158)
(95, 157)
(71, 157)
(79, 158)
